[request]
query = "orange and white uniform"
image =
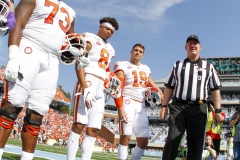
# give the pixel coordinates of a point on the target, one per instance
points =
(48, 24)
(133, 92)
(100, 54)
(42, 38)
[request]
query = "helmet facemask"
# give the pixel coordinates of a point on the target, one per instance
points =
(152, 97)
(4, 7)
(74, 46)
(112, 86)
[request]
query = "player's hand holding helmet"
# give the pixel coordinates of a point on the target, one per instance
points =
(152, 97)
(88, 98)
(74, 46)
(12, 68)
(112, 85)
(4, 10)
(83, 61)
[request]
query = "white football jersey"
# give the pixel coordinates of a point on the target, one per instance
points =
(135, 79)
(48, 24)
(100, 55)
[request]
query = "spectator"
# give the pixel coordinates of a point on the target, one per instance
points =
(236, 133)
(209, 152)
(212, 129)
(15, 129)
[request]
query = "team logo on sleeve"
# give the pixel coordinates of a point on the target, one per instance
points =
(28, 50)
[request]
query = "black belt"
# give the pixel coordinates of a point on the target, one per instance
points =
(189, 102)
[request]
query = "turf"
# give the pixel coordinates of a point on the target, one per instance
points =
(62, 150)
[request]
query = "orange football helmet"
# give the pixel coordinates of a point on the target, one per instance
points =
(152, 97)
(74, 45)
(112, 86)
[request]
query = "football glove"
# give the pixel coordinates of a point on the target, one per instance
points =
(12, 69)
(7, 24)
(83, 61)
(88, 98)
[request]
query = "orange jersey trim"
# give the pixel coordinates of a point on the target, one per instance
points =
(108, 69)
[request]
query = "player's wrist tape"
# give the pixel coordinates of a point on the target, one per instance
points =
(13, 51)
(164, 106)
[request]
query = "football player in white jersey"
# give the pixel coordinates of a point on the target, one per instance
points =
(32, 70)
(132, 114)
(88, 96)
(7, 16)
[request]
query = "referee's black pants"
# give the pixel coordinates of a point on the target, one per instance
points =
(192, 118)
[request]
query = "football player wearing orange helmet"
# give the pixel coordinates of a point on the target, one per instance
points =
(32, 70)
(88, 98)
(132, 114)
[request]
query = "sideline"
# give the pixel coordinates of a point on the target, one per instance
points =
(37, 153)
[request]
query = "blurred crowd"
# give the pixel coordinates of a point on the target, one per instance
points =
(226, 66)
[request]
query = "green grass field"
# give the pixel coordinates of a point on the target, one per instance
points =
(61, 150)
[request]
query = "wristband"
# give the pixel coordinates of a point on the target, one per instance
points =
(164, 106)
(13, 51)
(218, 110)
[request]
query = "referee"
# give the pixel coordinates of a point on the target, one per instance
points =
(187, 84)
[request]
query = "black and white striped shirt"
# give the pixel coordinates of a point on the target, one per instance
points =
(191, 80)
